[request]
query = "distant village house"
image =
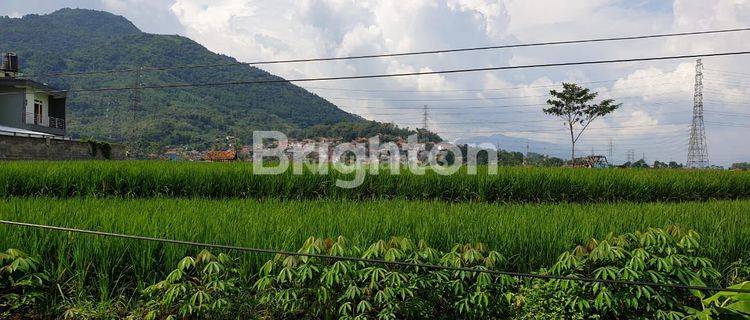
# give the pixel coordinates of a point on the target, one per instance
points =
(29, 107)
(33, 122)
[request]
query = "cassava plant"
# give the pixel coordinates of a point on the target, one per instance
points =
(723, 305)
(303, 287)
(668, 256)
(202, 287)
(22, 284)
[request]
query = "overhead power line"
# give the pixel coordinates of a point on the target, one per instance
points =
(484, 98)
(461, 110)
(419, 73)
(729, 72)
(492, 89)
(548, 129)
(372, 261)
(412, 53)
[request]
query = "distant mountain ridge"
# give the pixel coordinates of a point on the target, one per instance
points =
(71, 40)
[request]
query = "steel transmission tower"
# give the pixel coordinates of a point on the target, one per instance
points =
(698, 149)
(425, 118)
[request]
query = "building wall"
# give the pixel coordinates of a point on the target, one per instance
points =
(26, 148)
(11, 107)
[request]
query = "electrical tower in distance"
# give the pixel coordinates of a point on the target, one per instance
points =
(424, 118)
(698, 149)
(631, 156)
(136, 97)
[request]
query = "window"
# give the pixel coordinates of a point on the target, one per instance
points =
(38, 111)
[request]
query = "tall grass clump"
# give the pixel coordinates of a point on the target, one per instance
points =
(236, 180)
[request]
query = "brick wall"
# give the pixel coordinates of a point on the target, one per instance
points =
(28, 148)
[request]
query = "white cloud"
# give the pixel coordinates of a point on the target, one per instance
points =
(657, 96)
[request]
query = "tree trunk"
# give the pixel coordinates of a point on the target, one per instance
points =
(572, 145)
(573, 153)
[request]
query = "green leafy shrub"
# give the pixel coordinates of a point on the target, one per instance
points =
(22, 284)
(297, 287)
(303, 287)
(724, 305)
(665, 256)
(100, 146)
(202, 287)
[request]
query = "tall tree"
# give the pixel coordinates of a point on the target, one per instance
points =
(574, 105)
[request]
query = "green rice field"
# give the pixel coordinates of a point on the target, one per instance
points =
(528, 215)
(531, 235)
(236, 180)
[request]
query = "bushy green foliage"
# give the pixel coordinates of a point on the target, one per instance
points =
(723, 305)
(201, 287)
(100, 147)
(532, 236)
(22, 284)
(348, 131)
(666, 256)
(303, 287)
(208, 286)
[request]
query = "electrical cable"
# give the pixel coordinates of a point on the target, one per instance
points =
(371, 261)
(401, 54)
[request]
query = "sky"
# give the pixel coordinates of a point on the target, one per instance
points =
(657, 97)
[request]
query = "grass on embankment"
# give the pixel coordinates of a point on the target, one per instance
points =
(144, 179)
(531, 235)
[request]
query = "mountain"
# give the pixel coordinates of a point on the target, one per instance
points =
(75, 40)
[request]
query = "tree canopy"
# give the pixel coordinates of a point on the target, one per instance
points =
(574, 105)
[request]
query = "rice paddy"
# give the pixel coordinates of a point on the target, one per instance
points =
(236, 180)
(531, 235)
(529, 215)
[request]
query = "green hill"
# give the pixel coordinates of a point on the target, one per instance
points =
(72, 40)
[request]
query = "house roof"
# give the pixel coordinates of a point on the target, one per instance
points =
(14, 82)
(221, 155)
(4, 130)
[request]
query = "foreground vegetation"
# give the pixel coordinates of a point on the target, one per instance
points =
(530, 236)
(210, 286)
(453, 220)
(236, 180)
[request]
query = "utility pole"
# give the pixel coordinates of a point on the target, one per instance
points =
(698, 148)
(643, 157)
(424, 123)
(526, 156)
(611, 150)
(527, 147)
(136, 101)
(111, 116)
(631, 156)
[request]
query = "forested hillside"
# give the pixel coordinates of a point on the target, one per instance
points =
(72, 40)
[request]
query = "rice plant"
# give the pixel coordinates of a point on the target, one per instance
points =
(236, 180)
(530, 236)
